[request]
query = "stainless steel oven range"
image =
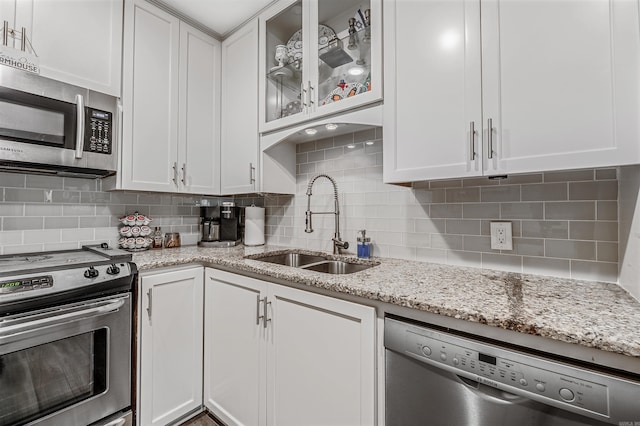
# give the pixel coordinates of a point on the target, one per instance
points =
(65, 337)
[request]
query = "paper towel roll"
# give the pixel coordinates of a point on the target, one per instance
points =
(253, 226)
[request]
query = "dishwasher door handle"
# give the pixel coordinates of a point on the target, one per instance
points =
(489, 393)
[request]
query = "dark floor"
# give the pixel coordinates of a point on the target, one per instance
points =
(201, 420)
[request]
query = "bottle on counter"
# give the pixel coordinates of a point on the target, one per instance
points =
(157, 238)
(364, 245)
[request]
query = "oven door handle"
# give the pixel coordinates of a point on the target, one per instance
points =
(23, 325)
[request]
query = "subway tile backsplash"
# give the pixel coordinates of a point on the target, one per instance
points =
(53, 213)
(565, 223)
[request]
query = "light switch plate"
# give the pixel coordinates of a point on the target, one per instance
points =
(501, 236)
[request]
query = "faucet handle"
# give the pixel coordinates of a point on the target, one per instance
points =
(339, 243)
(308, 226)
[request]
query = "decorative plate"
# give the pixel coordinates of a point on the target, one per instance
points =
(344, 91)
(294, 45)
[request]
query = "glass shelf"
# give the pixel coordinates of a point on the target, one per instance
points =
(288, 76)
(345, 67)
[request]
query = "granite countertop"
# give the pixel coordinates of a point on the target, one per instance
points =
(593, 314)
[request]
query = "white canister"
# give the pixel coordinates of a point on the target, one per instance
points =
(254, 226)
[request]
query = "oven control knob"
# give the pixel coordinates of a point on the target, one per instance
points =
(113, 270)
(91, 272)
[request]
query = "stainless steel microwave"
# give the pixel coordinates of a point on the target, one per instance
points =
(51, 127)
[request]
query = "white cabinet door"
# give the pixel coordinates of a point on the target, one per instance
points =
(239, 141)
(557, 88)
(78, 42)
(320, 360)
(560, 83)
(170, 338)
(234, 365)
(199, 142)
(311, 362)
(150, 98)
(432, 90)
(317, 80)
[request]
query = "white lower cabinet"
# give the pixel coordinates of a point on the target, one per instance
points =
(170, 310)
(275, 355)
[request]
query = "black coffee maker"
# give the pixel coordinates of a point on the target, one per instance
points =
(221, 226)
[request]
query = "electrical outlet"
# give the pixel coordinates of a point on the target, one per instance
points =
(501, 236)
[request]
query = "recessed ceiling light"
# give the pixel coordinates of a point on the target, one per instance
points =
(310, 131)
(356, 70)
(331, 126)
(369, 142)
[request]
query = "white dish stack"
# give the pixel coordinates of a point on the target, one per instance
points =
(254, 226)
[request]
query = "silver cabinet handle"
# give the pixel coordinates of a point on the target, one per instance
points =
(265, 318)
(184, 174)
(79, 125)
(310, 96)
(252, 174)
(472, 141)
(303, 92)
(5, 33)
(23, 40)
(258, 301)
(175, 174)
(150, 307)
(490, 138)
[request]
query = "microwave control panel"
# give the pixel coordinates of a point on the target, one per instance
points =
(97, 131)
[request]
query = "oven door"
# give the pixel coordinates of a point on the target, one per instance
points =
(68, 365)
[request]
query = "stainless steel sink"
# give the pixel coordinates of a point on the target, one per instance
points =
(317, 263)
(337, 267)
(292, 259)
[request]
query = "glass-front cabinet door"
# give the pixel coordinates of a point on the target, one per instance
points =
(283, 50)
(319, 57)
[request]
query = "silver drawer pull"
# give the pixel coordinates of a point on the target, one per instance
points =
(490, 138)
(472, 141)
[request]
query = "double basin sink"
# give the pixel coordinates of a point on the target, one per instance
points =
(318, 263)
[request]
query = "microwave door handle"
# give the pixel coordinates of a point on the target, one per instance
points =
(7, 330)
(79, 125)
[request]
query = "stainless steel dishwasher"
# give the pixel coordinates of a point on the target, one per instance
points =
(438, 378)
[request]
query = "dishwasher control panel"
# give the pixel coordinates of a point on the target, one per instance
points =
(555, 383)
(487, 366)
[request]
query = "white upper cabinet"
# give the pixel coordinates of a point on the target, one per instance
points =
(432, 90)
(239, 140)
(199, 123)
(150, 98)
(318, 58)
(171, 104)
(496, 87)
(78, 42)
(560, 83)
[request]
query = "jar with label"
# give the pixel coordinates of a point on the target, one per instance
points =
(157, 238)
(364, 245)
